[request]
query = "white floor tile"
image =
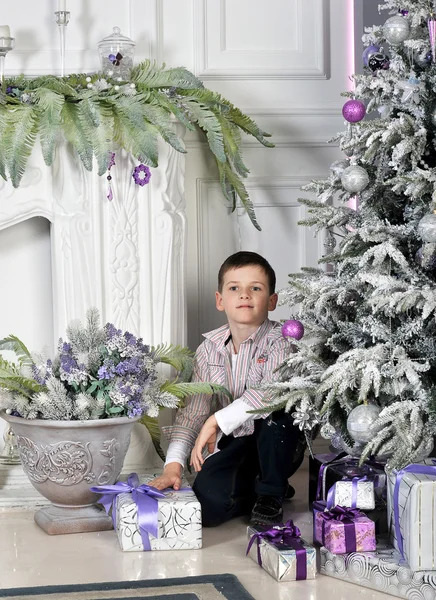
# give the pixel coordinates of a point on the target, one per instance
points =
(29, 557)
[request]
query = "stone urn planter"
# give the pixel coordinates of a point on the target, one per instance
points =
(63, 459)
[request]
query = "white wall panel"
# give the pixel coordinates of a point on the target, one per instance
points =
(285, 244)
(263, 40)
(36, 34)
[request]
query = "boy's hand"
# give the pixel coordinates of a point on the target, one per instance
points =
(171, 477)
(207, 436)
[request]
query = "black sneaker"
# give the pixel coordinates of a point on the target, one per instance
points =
(268, 510)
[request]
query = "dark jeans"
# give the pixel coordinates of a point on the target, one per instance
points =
(257, 464)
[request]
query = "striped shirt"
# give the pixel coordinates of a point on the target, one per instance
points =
(258, 357)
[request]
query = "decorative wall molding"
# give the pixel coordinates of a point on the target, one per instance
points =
(293, 127)
(220, 233)
(307, 58)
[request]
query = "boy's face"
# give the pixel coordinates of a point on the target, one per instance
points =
(245, 296)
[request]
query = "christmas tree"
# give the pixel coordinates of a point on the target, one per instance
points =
(365, 370)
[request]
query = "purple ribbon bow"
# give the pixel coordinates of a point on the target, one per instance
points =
(288, 534)
(346, 516)
(354, 484)
(144, 496)
(418, 470)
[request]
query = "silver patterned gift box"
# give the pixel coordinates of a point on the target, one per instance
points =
(342, 494)
(382, 570)
(417, 516)
(179, 521)
(279, 560)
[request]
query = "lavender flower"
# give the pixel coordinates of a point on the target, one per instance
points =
(98, 372)
(107, 370)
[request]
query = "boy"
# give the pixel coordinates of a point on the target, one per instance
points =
(249, 457)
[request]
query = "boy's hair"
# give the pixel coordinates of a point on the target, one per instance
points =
(246, 259)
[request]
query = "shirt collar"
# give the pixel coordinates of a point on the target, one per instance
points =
(221, 336)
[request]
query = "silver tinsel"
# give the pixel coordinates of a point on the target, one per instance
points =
(355, 179)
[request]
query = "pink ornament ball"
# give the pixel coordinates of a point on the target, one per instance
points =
(293, 329)
(353, 111)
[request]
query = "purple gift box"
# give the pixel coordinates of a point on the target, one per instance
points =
(342, 530)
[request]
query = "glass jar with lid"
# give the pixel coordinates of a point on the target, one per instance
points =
(116, 55)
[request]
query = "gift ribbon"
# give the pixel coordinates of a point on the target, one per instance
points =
(335, 458)
(416, 469)
(354, 484)
(290, 535)
(144, 496)
(347, 517)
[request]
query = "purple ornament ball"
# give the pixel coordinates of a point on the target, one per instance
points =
(354, 111)
(368, 52)
(293, 329)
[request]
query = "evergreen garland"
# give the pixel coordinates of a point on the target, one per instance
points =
(96, 112)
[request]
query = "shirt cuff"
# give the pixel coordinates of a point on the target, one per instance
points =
(233, 416)
(177, 452)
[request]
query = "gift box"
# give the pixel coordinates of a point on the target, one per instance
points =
(382, 570)
(148, 519)
(355, 493)
(315, 464)
(342, 530)
(327, 469)
(282, 552)
(412, 514)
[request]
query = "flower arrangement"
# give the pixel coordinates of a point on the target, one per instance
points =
(97, 373)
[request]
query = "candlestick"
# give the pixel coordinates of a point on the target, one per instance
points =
(6, 45)
(62, 19)
(62, 5)
(5, 31)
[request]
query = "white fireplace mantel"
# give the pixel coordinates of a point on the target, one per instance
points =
(125, 257)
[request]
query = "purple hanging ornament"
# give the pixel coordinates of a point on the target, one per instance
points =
(293, 329)
(111, 163)
(368, 52)
(353, 111)
(432, 33)
(141, 175)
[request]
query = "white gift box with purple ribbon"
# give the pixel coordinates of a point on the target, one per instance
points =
(148, 519)
(412, 514)
(347, 492)
(355, 493)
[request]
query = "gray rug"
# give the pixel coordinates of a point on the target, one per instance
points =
(204, 587)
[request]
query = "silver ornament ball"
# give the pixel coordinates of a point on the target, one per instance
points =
(327, 431)
(354, 179)
(329, 243)
(336, 441)
(360, 422)
(427, 228)
(396, 30)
